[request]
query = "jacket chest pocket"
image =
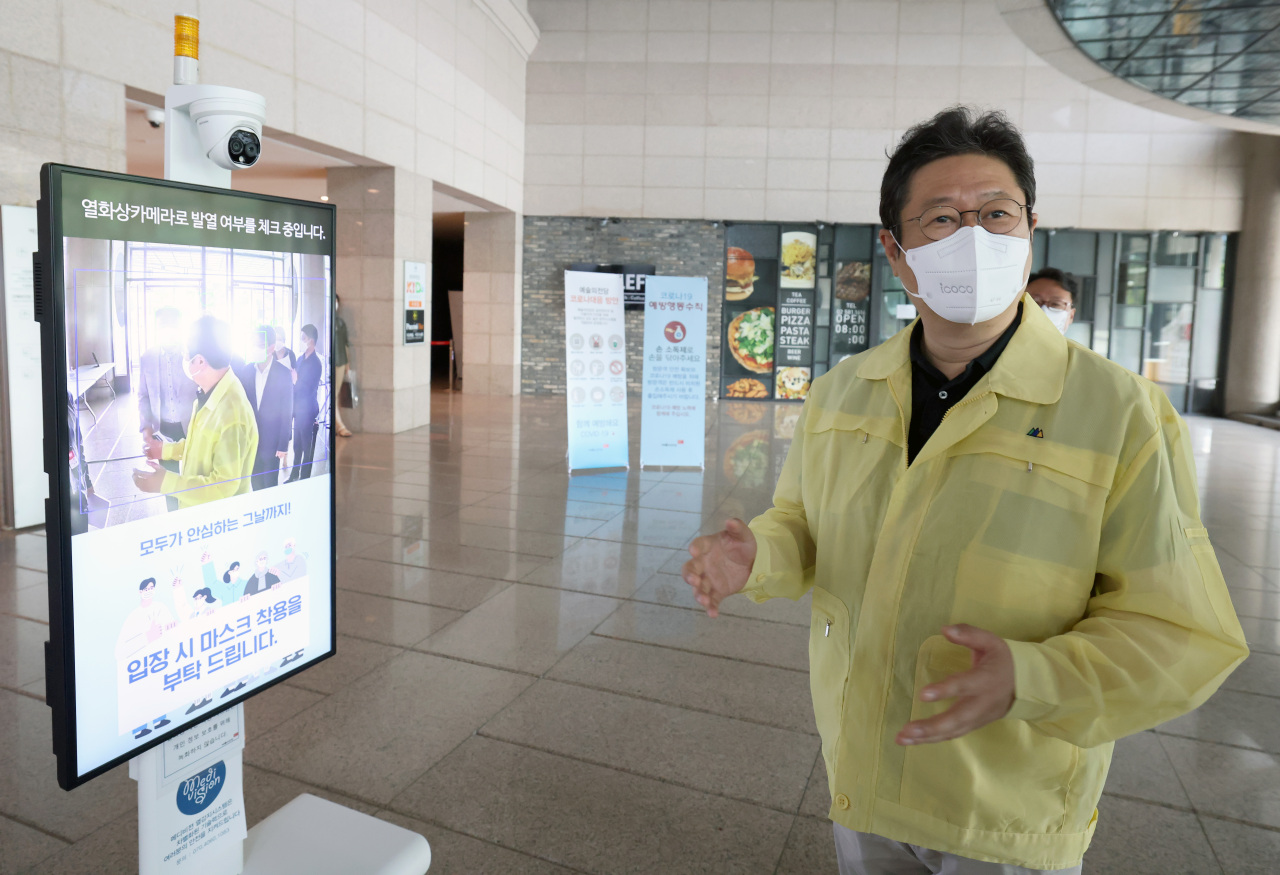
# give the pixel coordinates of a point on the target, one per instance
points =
(1027, 549)
(849, 461)
(828, 667)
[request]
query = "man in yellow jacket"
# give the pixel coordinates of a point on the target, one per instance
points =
(218, 452)
(1001, 533)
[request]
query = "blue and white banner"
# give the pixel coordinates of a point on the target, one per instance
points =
(673, 412)
(596, 370)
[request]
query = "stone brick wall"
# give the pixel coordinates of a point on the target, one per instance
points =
(675, 247)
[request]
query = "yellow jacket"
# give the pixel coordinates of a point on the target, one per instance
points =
(217, 454)
(1083, 548)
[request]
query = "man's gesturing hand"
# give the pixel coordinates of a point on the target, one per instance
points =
(983, 694)
(720, 565)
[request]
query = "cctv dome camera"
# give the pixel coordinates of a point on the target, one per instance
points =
(229, 124)
(155, 117)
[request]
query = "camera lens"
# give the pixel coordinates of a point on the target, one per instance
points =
(244, 147)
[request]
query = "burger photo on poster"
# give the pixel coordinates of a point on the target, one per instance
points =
(740, 274)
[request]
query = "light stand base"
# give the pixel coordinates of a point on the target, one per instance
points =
(312, 836)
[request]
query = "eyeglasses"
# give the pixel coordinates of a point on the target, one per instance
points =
(1060, 306)
(1000, 216)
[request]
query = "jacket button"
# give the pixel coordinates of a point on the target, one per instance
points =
(842, 802)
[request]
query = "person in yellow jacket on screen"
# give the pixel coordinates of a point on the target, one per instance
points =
(218, 452)
(1001, 533)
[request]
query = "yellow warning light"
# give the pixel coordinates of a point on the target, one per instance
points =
(186, 37)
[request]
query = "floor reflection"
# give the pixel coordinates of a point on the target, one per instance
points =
(523, 677)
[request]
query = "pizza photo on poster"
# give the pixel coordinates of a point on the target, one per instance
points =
(749, 337)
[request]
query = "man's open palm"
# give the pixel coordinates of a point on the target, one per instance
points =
(720, 565)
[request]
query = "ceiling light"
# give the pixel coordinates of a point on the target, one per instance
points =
(324, 197)
(371, 190)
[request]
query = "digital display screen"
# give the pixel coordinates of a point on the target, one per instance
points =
(186, 343)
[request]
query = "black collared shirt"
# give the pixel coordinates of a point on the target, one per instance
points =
(932, 394)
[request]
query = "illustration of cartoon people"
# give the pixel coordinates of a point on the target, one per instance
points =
(263, 578)
(201, 604)
(294, 563)
(227, 587)
(143, 626)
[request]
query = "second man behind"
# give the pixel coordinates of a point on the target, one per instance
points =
(269, 387)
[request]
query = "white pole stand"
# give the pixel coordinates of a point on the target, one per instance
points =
(191, 800)
(191, 818)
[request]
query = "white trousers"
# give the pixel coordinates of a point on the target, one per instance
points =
(861, 853)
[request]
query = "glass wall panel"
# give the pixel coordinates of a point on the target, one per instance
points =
(1177, 395)
(1039, 250)
(1130, 317)
(1207, 335)
(1171, 284)
(1215, 262)
(1126, 348)
(1132, 283)
(1168, 343)
(1101, 324)
(1105, 271)
(1174, 248)
(1075, 252)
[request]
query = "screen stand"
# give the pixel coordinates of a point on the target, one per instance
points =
(191, 800)
(191, 818)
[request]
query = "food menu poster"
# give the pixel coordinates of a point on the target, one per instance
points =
(771, 288)
(851, 310)
(673, 412)
(795, 329)
(750, 304)
(596, 370)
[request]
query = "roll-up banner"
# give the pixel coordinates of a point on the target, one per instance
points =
(596, 372)
(673, 412)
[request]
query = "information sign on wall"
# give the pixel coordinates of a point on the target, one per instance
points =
(673, 413)
(415, 302)
(596, 370)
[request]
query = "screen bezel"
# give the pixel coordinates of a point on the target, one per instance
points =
(50, 312)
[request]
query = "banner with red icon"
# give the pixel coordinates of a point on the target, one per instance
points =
(673, 410)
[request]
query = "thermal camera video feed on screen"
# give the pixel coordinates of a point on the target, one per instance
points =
(198, 498)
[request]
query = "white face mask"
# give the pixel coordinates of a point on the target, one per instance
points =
(1059, 318)
(971, 276)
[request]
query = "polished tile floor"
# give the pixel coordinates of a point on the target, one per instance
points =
(523, 678)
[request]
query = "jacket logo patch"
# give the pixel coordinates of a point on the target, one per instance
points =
(1036, 432)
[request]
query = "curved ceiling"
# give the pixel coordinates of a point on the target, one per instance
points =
(1219, 56)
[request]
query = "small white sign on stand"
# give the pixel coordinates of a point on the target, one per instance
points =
(191, 800)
